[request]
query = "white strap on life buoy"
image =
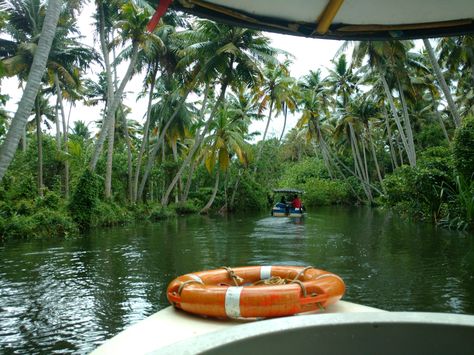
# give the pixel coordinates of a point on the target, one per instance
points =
(232, 301)
(195, 277)
(265, 272)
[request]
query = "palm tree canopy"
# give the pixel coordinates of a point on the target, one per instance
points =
(228, 52)
(227, 137)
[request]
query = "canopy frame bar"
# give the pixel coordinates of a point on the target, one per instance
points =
(327, 16)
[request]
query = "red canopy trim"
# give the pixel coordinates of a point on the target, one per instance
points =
(160, 11)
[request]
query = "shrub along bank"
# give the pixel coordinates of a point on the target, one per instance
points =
(441, 187)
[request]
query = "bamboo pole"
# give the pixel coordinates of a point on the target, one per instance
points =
(328, 15)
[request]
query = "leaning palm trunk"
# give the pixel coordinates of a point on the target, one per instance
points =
(263, 138)
(397, 120)
(366, 166)
(65, 138)
(129, 155)
(17, 127)
(285, 116)
(58, 124)
(154, 152)
(39, 138)
(374, 155)
(110, 85)
(335, 161)
(179, 186)
(157, 146)
(234, 192)
(189, 180)
(400, 150)
(111, 129)
(197, 159)
(323, 146)
(145, 135)
(442, 82)
(408, 130)
(326, 159)
(151, 158)
(443, 127)
(110, 157)
(389, 134)
(197, 144)
(206, 208)
(359, 165)
(440, 119)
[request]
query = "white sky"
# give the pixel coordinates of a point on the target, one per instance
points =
(309, 54)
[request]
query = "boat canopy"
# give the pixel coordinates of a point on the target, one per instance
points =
(340, 19)
(288, 191)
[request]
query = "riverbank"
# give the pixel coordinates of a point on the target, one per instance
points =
(438, 190)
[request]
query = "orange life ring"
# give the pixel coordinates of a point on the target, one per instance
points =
(242, 292)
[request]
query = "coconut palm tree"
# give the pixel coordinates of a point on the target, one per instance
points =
(154, 56)
(366, 110)
(343, 80)
(457, 54)
(442, 82)
(66, 60)
(226, 138)
(349, 131)
(170, 107)
(48, 30)
(230, 55)
(314, 103)
(276, 92)
(387, 60)
(41, 109)
(131, 22)
(242, 106)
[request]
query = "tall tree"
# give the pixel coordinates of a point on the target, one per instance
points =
(276, 93)
(387, 59)
(230, 54)
(226, 138)
(131, 24)
(9, 146)
(442, 82)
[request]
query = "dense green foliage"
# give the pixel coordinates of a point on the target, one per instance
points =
(311, 176)
(432, 190)
(32, 218)
(463, 149)
(417, 191)
(85, 200)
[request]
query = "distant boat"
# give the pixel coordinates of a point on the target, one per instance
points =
(285, 208)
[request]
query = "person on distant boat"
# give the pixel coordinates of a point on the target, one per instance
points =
(282, 203)
(296, 203)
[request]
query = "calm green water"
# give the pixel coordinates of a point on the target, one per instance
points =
(70, 296)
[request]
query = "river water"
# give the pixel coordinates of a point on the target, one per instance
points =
(69, 296)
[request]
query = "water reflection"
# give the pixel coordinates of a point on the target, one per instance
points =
(69, 296)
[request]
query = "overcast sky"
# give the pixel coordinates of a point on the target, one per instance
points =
(309, 54)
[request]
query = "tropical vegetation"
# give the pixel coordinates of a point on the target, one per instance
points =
(386, 124)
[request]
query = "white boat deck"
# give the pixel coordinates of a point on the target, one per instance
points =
(170, 326)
